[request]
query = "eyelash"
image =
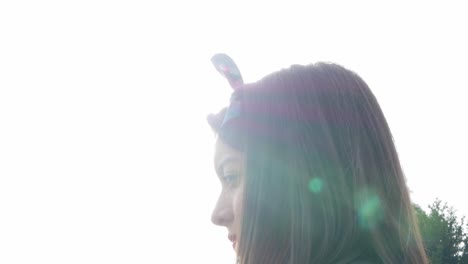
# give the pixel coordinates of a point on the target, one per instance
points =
(230, 179)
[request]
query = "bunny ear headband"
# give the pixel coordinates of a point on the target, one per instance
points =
(229, 70)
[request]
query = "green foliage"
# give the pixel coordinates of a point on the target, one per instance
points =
(444, 234)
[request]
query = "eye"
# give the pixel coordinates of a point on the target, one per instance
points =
(230, 179)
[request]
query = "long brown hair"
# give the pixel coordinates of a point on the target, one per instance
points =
(323, 180)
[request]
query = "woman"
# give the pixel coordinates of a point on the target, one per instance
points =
(309, 171)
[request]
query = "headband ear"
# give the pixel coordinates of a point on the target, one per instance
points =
(228, 68)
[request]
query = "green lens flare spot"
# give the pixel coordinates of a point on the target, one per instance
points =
(370, 207)
(370, 211)
(315, 185)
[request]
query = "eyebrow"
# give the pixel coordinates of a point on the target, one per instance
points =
(224, 161)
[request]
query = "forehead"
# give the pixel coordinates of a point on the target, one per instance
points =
(225, 153)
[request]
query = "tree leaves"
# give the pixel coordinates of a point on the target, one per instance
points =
(444, 234)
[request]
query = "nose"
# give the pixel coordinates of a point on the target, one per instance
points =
(222, 214)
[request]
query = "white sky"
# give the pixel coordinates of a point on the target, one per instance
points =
(105, 155)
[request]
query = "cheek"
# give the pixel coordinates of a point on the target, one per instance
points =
(237, 203)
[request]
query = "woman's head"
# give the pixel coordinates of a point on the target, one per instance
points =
(317, 177)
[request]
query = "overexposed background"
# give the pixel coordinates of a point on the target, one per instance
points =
(105, 154)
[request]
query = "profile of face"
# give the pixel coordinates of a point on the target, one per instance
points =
(229, 166)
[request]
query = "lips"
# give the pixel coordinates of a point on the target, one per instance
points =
(233, 239)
